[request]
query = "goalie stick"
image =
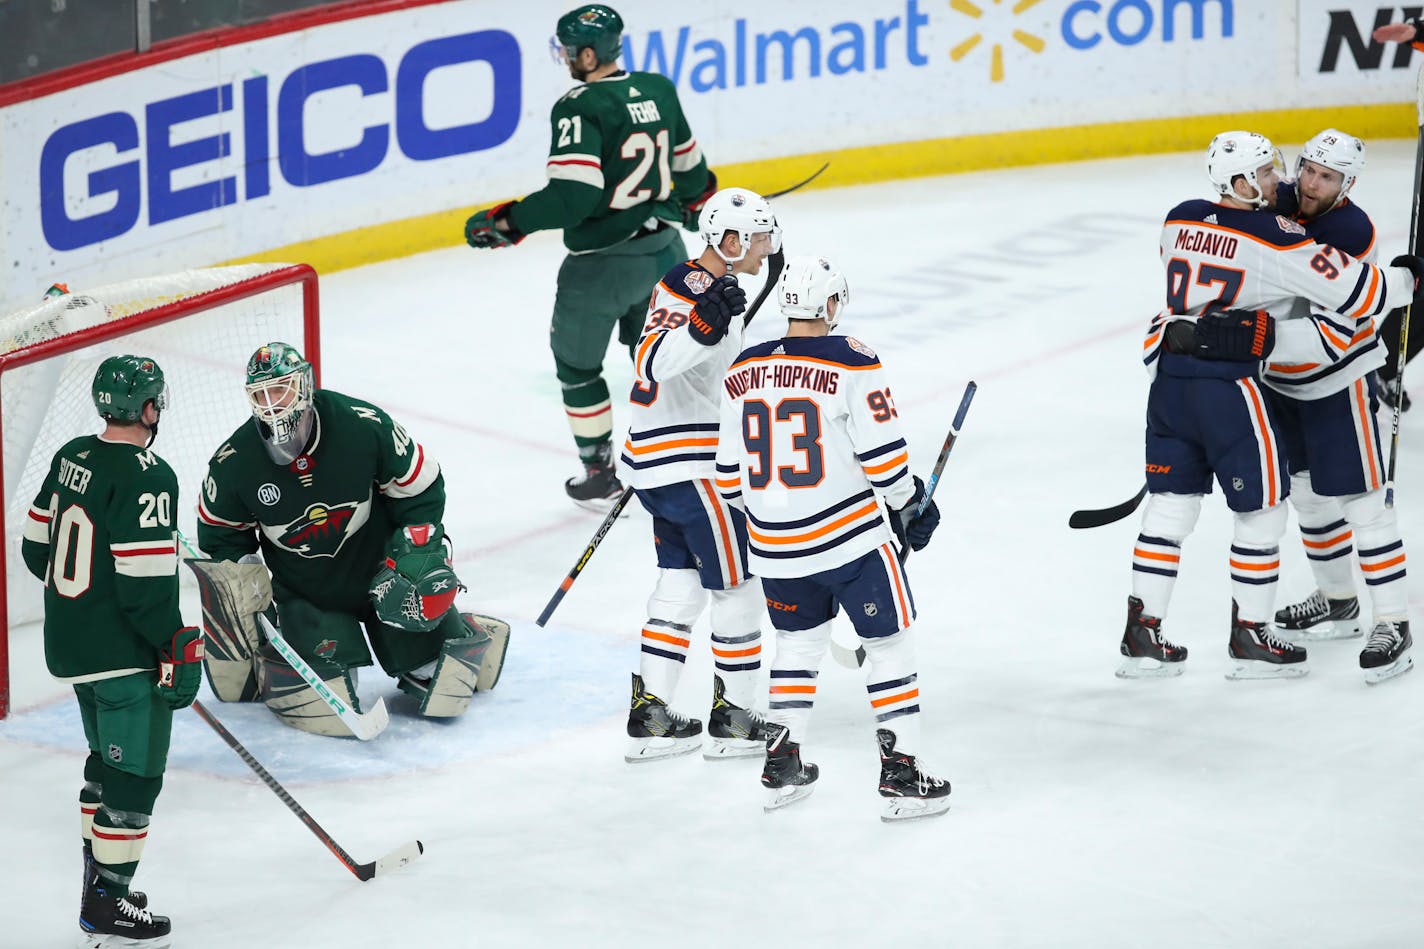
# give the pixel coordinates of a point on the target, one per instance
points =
(855, 658)
(1079, 520)
(394, 860)
(775, 262)
(1404, 323)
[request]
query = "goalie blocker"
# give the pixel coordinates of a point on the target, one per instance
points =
(242, 667)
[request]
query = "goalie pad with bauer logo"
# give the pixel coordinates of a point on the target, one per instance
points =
(233, 594)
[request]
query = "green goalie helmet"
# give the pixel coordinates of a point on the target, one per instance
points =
(593, 25)
(416, 585)
(125, 384)
(280, 385)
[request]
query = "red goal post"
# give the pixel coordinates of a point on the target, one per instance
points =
(199, 325)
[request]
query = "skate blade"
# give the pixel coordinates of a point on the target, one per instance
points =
(1145, 667)
(1249, 669)
(112, 941)
(722, 749)
(1323, 632)
(777, 798)
(656, 749)
(601, 506)
(1384, 673)
(898, 809)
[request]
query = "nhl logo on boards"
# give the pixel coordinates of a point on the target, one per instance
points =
(870, 609)
(269, 494)
(698, 281)
(116, 754)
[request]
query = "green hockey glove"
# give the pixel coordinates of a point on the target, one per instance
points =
(481, 230)
(180, 668)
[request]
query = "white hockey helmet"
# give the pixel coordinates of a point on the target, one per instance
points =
(739, 211)
(806, 287)
(1240, 153)
(1338, 150)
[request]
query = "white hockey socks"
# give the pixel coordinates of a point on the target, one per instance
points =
(676, 603)
(1166, 522)
(1256, 562)
(1327, 538)
(792, 693)
(893, 687)
(1381, 554)
(736, 640)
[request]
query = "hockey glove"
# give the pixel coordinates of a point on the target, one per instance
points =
(1414, 265)
(481, 230)
(1234, 335)
(692, 210)
(180, 668)
(1287, 202)
(915, 531)
(715, 308)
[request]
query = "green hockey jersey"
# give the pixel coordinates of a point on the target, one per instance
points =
(323, 521)
(620, 153)
(100, 535)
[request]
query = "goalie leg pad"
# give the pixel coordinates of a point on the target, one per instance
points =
(448, 691)
(287, 694)
(493, 662)
(232, 595)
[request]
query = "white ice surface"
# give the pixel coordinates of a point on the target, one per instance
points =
(1087, 811)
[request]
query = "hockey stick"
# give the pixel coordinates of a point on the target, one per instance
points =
(394, 860)
(855, 658)
(598, 536)
(799, 185)
(1404, 323)
(1107, 515)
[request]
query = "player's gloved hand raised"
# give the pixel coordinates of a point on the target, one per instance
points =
(1234, 335)
(715, 308)
(915, 531)
(1414, 265)
(481, 229)
(692, 210)
(180, 668)
(1287, 201)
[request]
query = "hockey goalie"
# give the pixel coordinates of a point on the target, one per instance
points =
(345, 509)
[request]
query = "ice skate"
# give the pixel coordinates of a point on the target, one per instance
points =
(732, 731)
(114, 922)
(786, 779)
(656, 731)
(1317, 618)
(1149, 656)
(1257, 653)
(137, 897)
(1386, 652)
(910, 793)
(599, 487)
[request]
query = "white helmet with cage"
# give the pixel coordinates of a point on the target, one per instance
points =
(1240, 153)
(806, 288)
(1336, 150)
(738, 211)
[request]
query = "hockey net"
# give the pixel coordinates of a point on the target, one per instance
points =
(201, 326)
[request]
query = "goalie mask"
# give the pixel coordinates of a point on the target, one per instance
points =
(416, 585)
(741, 212)
(1241, 154)
(807, 286)
(1339, 151)
(123, 385)
(279, 390)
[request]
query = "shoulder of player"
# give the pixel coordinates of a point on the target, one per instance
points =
(330, 403)
(1347, 227)
(125, 463)
(685, 281)
(1266, 227)
(652, 82)
(843, 351)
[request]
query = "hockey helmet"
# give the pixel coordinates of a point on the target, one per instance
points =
(1336, 150)
(123, 385)
(1240, 154)
(416, 584)
(596, 26)
(739, 211)
(806, 288)
(280, 389)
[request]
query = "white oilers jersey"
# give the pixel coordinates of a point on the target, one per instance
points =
(809, 441)
(1257, 260)
(674, 404)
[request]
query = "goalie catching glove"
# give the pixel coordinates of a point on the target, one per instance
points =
(416, 585)
(180, 668)
(1234, 335)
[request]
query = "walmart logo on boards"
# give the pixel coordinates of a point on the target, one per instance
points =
(1085, 25)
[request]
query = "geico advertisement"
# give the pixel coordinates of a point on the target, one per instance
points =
(1335, 50)
(386, 117)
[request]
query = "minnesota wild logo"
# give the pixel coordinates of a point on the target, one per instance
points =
(320, 531)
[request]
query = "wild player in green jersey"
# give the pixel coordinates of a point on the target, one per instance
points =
(100, 535)
(624, 169)
(345, 508)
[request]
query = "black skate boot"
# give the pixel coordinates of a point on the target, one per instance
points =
(1149, 656)
(1317, 618)
(599, 487)
(786, 779)
(109, 922)
(656, 731)
(1386, 652)
(732, 731)
(137, 897)
(909, 792)
(1257, 653)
